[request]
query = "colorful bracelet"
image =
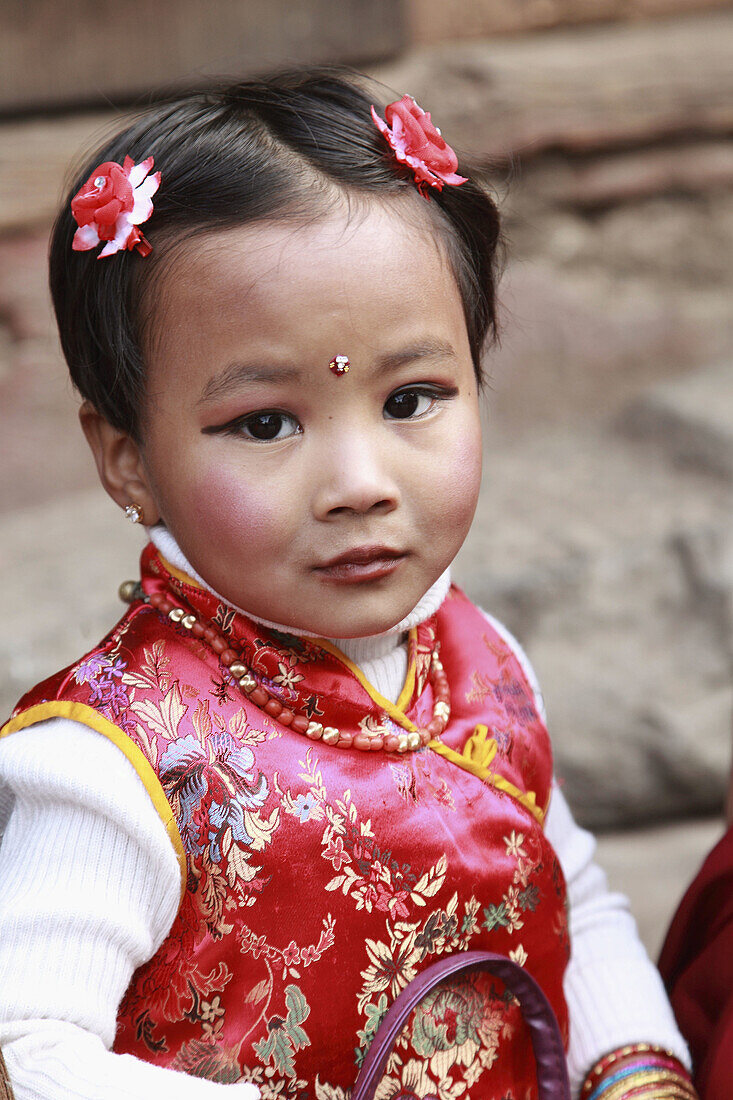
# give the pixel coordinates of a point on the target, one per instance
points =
(648, 1050)
(640, 1071)
(646, 1084)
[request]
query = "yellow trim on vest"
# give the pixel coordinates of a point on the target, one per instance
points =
(480, 748)
(406, 694)
(393, 710)
(179, 574)
(80, 712)
(478, 752)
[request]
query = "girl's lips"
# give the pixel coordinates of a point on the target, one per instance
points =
(365, 564)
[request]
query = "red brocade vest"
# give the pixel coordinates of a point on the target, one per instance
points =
(317, 881)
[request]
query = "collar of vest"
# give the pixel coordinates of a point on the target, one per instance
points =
(306, 674)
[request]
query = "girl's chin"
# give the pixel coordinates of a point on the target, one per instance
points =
(358, 626)
(345, 626)
(338, 610)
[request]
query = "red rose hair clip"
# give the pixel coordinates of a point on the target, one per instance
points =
(417, 143)
(114, 201)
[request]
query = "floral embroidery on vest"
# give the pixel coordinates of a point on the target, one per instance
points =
(320, 881)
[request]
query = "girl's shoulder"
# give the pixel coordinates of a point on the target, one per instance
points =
(97, 688)
(478, 629)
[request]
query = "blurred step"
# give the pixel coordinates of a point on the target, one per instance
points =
(178, 43)
(690, 419)
(434, 20)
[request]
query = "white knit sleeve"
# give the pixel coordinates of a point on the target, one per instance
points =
(90, 888)
(613, 991)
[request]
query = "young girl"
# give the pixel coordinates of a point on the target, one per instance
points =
(302, 767)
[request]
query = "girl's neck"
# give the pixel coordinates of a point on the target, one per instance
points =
(382, 657)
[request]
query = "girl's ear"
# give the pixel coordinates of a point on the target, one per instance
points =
(119, 463)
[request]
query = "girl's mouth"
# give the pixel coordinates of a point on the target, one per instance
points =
(364, 563)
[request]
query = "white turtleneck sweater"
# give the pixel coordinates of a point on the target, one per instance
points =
(89, 888)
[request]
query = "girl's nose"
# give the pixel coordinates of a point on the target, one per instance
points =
(354, 477)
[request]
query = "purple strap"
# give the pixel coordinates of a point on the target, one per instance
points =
(549, 1052)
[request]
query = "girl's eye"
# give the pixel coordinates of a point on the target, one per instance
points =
(267, 426)
(406, 404)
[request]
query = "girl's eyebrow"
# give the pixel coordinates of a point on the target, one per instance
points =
(237, 374)
(431, 348)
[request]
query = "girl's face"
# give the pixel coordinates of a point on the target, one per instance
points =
(321, 501)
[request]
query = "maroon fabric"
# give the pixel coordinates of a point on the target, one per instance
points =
(697, 966)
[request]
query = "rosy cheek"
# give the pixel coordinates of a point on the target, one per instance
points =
(218, 504)
(463, 472)
(467, 461)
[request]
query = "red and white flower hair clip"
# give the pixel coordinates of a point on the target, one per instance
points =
(114, 201)
(416, 142)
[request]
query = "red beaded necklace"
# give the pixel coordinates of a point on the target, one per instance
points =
(366, 741)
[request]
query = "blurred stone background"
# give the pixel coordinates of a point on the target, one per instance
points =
(604, 536)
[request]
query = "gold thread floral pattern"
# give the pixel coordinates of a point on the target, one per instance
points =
(318, 884)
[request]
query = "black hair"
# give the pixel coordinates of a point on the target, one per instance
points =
(245, 152)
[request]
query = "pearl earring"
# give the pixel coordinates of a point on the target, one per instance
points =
(134, 513)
